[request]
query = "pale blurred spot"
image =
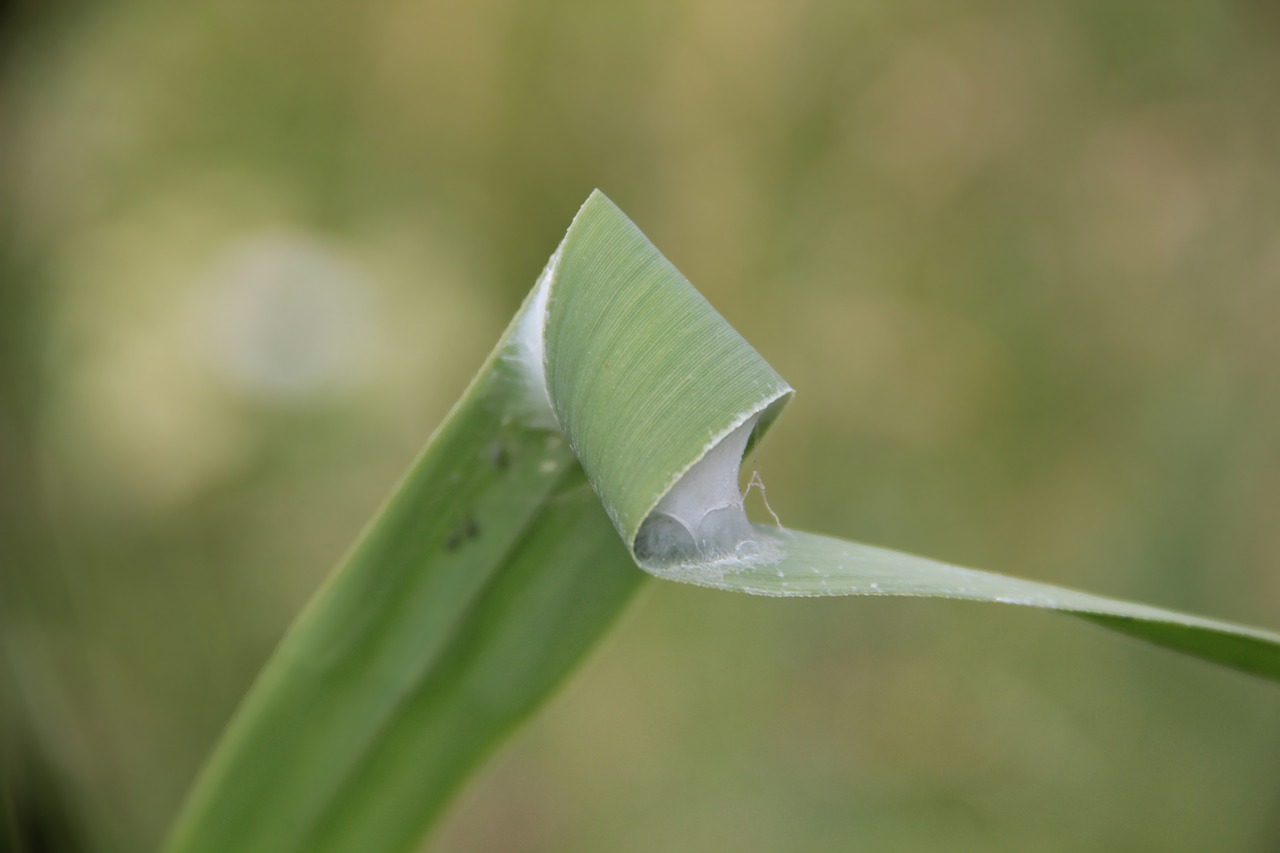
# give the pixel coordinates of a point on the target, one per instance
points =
(285, 318)
(139, 425)
(145, 418)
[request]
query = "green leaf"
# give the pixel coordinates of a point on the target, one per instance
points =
(820, 565)
(605, 431)
(476, 588)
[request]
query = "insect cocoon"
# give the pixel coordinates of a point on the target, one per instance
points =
(700, 521)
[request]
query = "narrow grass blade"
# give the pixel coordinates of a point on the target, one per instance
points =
(814, 565)
(618, 404)
(476, 588)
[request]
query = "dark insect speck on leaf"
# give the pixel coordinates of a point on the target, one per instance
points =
(468, 529)
(501, 458)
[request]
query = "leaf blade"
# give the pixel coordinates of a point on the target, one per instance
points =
(814, 565)
(404, 634)
(494, 567)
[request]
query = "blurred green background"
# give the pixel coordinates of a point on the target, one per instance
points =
(1019, 258)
